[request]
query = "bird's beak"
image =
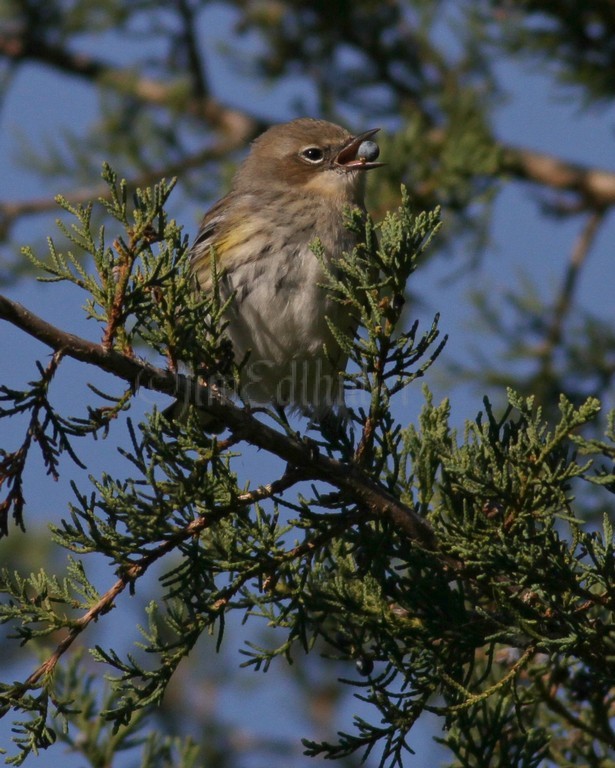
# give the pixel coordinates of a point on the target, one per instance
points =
(348, 157)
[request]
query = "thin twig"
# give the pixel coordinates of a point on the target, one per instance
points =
(578, 257)
(471, 699)
(133, 571)
(13, 464)
(557, 706)
(11, 211)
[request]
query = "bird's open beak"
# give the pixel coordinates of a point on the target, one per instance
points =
(348, 158)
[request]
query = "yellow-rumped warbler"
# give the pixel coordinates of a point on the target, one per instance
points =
(294, 186)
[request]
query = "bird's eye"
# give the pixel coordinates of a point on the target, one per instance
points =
(313, 154)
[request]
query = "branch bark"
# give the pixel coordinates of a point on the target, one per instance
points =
(595, 186)
(299, 453)
(232, 122)
(136, 569)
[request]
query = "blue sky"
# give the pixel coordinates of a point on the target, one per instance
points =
(537, 115)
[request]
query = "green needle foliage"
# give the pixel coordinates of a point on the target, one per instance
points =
(457, 573)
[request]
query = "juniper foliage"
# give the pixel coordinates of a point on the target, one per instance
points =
(457, 573)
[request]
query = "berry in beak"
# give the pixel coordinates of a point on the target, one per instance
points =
(359, 153)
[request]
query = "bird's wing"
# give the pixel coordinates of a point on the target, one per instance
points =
(208, 237)
(235, 229)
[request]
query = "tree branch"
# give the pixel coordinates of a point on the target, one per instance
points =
(299, 453)
(11, 211)
(234, 123)
(136, 569)
(594, 185)
(555, 328)
(188, 40)
(579, 254)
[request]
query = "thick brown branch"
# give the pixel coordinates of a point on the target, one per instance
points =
(232, 122)
(596, 186)
(297, 452)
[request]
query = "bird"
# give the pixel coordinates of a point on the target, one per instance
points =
(295, 187)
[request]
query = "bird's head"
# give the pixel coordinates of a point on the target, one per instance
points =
(313, 156)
